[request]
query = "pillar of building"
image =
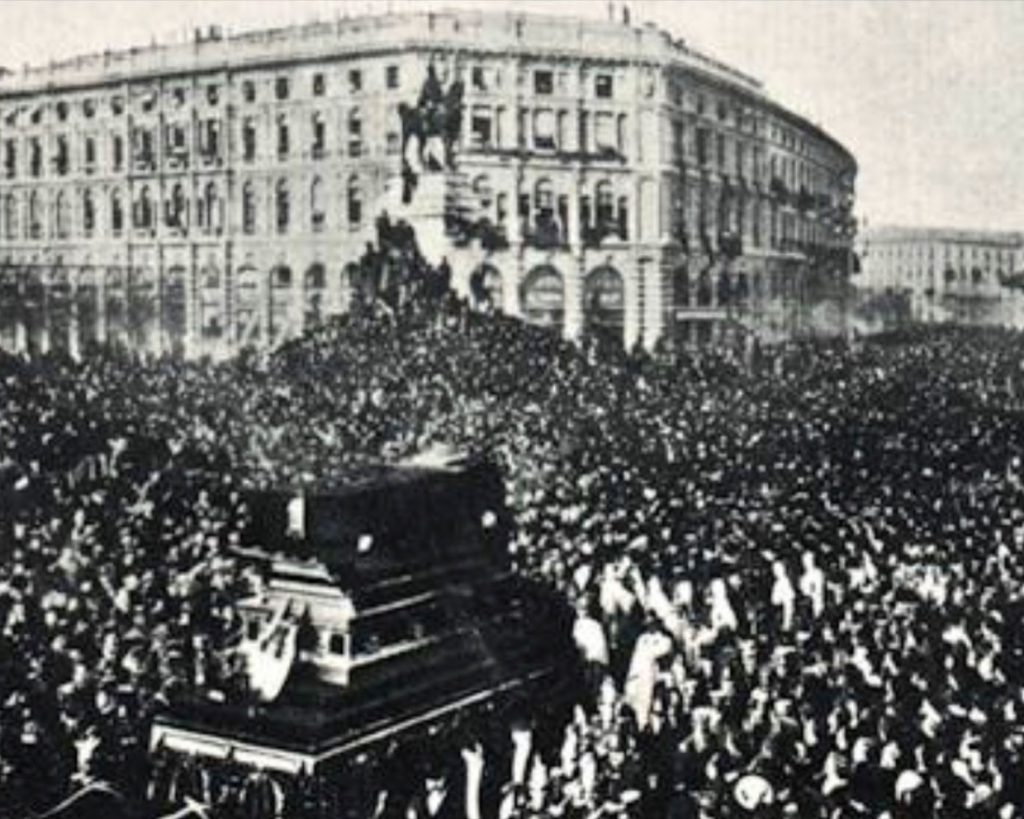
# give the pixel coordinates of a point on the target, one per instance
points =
(656, 300)
(632, 320)
(265, 322)
(156, 324)
(297, 306)
(74, 332)
(101, 307)
(575, 240)
(511, 280)
(44, 320)
(574, 300)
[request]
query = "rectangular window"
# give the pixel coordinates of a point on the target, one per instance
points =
(249, 91)
(355, 80)
(478, 80)
(544, 129)
(481, 128)
(394, 142)
(61, 161)
(281, 88)
(248, 141)
(211, 139)
(319, 86)
(603, 86)
(282, 140)
(543, 82)
(702, 146)
(677, 142)
(391, 76)
(355, 207)
(720, 150)
(36, 157)
(605, 134)
(10, 159)
(319, 137)
(355, 135)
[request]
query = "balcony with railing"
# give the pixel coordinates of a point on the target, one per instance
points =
(594, 236)
(546, 234)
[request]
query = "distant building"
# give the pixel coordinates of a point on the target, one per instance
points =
(946, 275)
(203, 197)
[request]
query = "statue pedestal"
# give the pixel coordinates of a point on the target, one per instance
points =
(425, 212)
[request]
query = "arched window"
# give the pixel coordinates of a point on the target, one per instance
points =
(144, 209)
(282, 206)
(61, 221)
(355, 202)
(544, 197)
(249, 140)
(11, 216)
(545, 228)
(282, 137)
(248, 209)
(542, 296)
(35, 157)
(116, 213)
(318, 215)
(209, 209)
(35, 226)
(316, 281)
(88, 213)
(177, 211)
(544, 129)
(605, 204)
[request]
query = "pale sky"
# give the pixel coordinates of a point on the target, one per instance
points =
(929, 96)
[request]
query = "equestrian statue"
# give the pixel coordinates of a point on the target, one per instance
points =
(435, 122)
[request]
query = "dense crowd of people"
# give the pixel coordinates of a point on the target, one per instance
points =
(798, 579)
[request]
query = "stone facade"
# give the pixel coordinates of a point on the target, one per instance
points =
(204, 197)
(947, 275)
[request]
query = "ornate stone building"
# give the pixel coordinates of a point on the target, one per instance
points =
(202, 197)
(946, 275)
